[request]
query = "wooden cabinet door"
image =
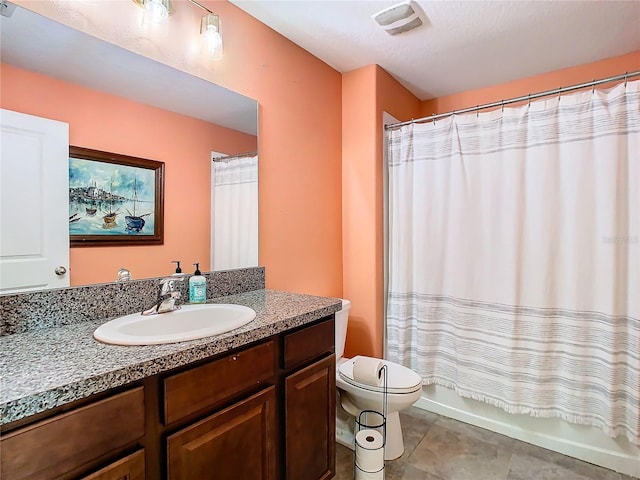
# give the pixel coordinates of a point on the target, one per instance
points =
(129, 468)
(235, 443)
(310, 417)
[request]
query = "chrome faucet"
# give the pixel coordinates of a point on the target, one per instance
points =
(124, 275)
(168, 296)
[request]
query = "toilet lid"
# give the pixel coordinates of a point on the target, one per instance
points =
(400, 379)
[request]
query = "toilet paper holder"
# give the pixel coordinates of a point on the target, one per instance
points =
(368, 459)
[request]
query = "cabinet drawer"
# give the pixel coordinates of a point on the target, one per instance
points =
(130, 467)
(309, 343)
(211, 384)
(57, 445)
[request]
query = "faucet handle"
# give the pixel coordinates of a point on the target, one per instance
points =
(167, 284)
(176, 278)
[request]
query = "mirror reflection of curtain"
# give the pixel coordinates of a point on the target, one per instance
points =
(234, 223)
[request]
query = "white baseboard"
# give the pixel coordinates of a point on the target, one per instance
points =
(578, 441)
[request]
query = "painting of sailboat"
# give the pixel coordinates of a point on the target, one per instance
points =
(114, 199)
(135, 223)
(109, 217)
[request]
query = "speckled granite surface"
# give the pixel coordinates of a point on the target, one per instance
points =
(46, 368)
(66, 306)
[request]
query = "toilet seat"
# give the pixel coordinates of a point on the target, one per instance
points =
(401, 380)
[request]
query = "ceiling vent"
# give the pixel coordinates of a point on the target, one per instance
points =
(398, 18)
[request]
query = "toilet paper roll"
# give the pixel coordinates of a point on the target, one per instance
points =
(367, 371)
(360, 475)
(369, 451)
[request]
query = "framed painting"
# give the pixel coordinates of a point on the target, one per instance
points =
(114, 199)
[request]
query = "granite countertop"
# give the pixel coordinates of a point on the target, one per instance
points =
(46, 368)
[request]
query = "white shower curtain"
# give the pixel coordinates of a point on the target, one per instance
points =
(514, 265)
(234, 226)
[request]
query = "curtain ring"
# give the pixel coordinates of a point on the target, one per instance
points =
(528, 100)
(559, 94)
(502, 103)
(626, 77)
(593, 90)
(477, 111)
(434, 119)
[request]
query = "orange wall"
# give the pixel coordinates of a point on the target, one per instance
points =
(366, 94)
(106, 122)
(299, 137)
(362, 167)
(539, 83)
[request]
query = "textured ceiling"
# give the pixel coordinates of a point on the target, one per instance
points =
(462, 45)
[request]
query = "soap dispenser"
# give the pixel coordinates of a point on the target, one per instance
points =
(197, 287)
(178, 271)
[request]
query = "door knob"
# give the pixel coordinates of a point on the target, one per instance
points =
(60, 270)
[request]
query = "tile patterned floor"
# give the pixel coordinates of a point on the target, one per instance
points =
(439, 448)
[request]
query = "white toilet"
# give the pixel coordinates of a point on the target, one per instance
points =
(404, 389)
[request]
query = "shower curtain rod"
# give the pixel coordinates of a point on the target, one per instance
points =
(226, 158)
(557, 91)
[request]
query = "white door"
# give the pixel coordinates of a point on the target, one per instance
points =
(34, 203)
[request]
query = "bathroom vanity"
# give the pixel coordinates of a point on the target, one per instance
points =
(255, 403)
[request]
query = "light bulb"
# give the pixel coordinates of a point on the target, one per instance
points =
(214, 42)
(210, 29)
(158, 10)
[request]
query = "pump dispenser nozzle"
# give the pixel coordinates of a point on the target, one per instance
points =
(197, 286)
(178, 269)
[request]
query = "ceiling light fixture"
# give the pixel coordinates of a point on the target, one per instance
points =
(398, 18)
(157, 10)
(210, 29)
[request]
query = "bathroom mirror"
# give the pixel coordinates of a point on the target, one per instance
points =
(47, 52)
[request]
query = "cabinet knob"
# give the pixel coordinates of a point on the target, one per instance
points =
(60, 270)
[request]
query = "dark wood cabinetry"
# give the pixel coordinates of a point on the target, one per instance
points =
(130, 467)
(237, 442)
(214, 383)
(310, 421)
(265, 411)
(308, 343)
(67, 443)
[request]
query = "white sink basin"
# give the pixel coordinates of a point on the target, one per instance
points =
(188, 323)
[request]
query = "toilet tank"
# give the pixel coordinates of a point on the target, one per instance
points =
(342, 317)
